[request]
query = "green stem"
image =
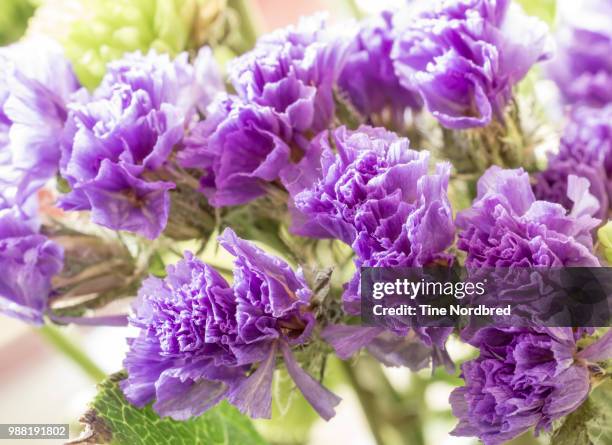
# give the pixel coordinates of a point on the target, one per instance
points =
(367, 399)
(54, 336)
(249, 23)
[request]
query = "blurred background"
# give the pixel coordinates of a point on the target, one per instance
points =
(40, 385)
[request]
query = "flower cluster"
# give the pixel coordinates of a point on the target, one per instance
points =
(308, 143)
(285, 95)
(585, 151)
(369, 77)
(582, 67)
(293, 71)
(368, 189)
(28, 261)
(200, 338)
(240, 148)
(507, 227)
(36, 84)
(116, 157)
(522, 378)
(465, 57)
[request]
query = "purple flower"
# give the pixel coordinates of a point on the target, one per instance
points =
(119, 142)
(28, 261)
(523, 377)
(585, 151)
(240, 148)
(200, 338)
(368, 189)
(582, 67)
(507, 227)
(369, 78)
(464, 57)
(36, 82)
(293, 71)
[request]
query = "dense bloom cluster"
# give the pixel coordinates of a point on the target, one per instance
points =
(36, 83)
(465, 57)
(121, 139)
(522, 378)
(507, 227)
(239, 147)
(306, 124)
(28, 261)
(369, 77)
(293, 71)
(368, 189)
(586, 151)
(200, 337)
(582, 67)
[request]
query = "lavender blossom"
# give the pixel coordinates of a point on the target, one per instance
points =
(293, 71)
(116, 158)
(585, 151)
(200, 337)
(507, 227)
(522, 378)
(240, 148)
(465, 57)
(368, 189)
(28, 261)
(582, 67)
(369, 78)
(36, 82)
(374, 193)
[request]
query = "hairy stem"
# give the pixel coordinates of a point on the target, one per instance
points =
(55, 337)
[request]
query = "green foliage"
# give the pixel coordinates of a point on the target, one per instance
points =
(14, 15)
(110, 28)
(604, 236)
(591, 423)
(112, 419)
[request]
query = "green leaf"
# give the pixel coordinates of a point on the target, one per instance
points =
(590, 424)
(113, 420)
(600, 427)
(573, 430)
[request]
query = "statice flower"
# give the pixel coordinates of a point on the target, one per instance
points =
(464, 57)
(368, 76)
(507, 227)
(293, 71)
(36, 82)
(368, 189)
(585, 151)
(28, 261)
(202, 341)
(582, 67)
(240, 148)
(524, 377)
(117, 155)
